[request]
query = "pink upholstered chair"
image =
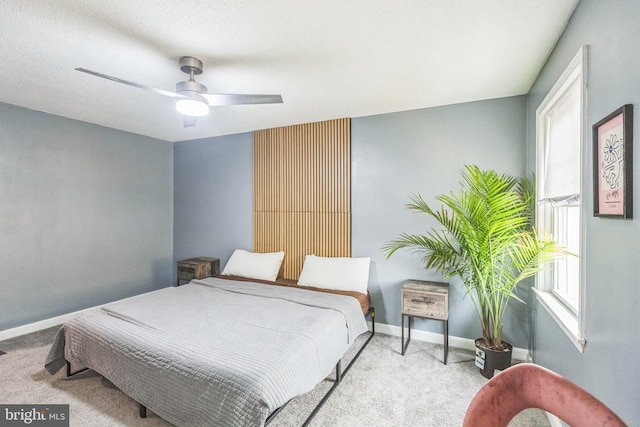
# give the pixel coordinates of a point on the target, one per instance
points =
(528, 385)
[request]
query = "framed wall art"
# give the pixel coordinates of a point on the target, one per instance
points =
(613, 164)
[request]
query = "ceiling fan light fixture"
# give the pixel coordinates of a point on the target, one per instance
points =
(195, 106)
(192, 98)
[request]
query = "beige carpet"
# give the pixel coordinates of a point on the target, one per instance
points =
(383, 388)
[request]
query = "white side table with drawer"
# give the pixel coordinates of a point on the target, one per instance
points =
(428, 300)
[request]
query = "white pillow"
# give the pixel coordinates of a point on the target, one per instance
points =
(253, 265)
(343, 274)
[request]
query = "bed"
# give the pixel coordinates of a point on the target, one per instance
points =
(218, 351)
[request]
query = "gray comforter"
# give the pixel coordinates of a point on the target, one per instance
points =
(214, 351)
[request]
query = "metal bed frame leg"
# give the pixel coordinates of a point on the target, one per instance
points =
(371, 313)
(143, 409)
(70, 374)
(339, 376)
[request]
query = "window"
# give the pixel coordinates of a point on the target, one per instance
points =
(559, 142)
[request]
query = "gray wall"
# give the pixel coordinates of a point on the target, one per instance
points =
(213, 186)
(397, 155)
(393, 156)
(85, 215)
(609, 366)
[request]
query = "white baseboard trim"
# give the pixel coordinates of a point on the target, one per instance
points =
(436, 338)
(53, 321)
(37, 326)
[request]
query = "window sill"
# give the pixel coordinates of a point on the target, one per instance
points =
(565, 319)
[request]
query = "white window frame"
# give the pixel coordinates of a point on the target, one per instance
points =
(572, 323)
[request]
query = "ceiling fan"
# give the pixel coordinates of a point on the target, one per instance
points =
(192, 99)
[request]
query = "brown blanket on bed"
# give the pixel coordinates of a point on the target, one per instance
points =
(364, 299)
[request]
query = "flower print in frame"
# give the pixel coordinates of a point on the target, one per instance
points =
(613, 164)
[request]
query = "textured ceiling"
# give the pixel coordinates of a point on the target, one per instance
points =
(328, 59)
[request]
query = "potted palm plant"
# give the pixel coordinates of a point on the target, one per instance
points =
(486, 237)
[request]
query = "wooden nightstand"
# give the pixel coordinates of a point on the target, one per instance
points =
(429, 300)
(197, 268)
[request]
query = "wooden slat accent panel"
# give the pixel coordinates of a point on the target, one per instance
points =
(302, 191)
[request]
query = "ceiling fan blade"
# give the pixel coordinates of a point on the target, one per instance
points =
(238, 99)
(189, 121)
(126, 82)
